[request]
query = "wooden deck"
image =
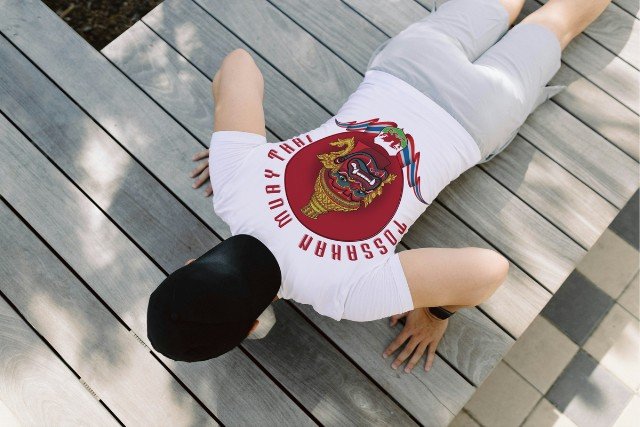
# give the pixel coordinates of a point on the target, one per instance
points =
(97, 208)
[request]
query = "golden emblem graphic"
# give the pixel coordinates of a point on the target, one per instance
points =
(348, 179)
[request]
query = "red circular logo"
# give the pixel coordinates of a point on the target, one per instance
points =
(344, 186)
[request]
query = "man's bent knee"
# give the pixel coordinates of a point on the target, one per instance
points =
(494, 273)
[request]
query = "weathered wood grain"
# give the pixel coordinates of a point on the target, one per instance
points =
(540, 181)
(66, 143)
(583, 152)
(541, 250)
(92, 159)
(324, 78)
(391, 20)
(193, 112)
(207, 45)
(173, 14)
(293, 51)
(310, 18)
(631, 6)
(320, 376)
(617, 31)
(121, 371)
(598, 110)
(132, 118)
(124, 277)
(35, 386)
(407, 388)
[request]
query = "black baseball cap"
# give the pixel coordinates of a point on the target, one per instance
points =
(206, 308)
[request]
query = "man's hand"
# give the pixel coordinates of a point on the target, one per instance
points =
(423, 330)
(203, 171)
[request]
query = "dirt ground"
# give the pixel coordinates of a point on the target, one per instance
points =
(101, 21)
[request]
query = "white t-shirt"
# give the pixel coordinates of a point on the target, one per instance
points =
(332, 203)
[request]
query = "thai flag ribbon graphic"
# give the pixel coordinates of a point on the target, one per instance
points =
(407, 156)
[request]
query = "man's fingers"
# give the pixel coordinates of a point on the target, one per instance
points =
(408, 349)
(396, 317)
(415, 358)
(431, 355)
(402, 337)
(208, 191)
(201, 166)
(204, 176)
(201, 155)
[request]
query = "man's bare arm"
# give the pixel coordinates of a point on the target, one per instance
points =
(238, 90)
(441, 277)
(452, 277)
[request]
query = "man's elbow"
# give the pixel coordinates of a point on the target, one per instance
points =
(496, 268)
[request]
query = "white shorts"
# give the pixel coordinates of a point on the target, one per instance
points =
(464, 57)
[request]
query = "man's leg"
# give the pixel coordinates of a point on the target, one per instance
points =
(513, 8)
(512, 75)
(567, 18)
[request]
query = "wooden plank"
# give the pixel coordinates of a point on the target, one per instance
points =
(195, 113)
(407, 388)
(175, 14)
(208, 44)
(471, 326)
(540, 181)
(584, 222)
(109, 359)
(631, 6)
(293, 51)
(297, 50)
(141, 36)
(356, 48)
(35, 386)
(602, 67)
(598, 110)
(29, 24)
(90, 157)
(583, 152)
(67, 144)
(404, 13)
(106, 260)
(389, 20)
(307, 366)
(617, 31)
(428, 4)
